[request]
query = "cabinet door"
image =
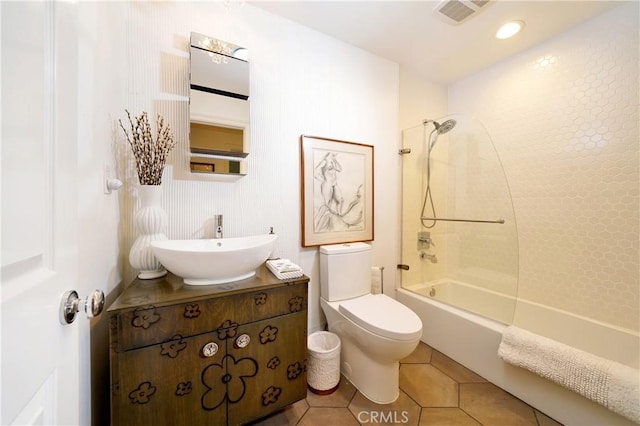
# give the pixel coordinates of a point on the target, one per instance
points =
(278, 347)
(178, 382)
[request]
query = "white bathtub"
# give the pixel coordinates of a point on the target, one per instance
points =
(473, 340)
(487, 303)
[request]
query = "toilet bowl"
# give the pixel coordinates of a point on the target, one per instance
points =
(376, 331)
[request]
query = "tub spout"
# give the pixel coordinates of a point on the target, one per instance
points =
(431, 257)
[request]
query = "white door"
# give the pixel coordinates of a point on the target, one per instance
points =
(39, 355)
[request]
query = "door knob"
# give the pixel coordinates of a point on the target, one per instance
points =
(71, 305)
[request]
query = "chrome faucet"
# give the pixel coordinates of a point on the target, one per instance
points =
(217, 219)
(431, 257)
(424, 240)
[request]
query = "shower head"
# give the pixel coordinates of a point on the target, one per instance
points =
(439, 129)
(445, 127)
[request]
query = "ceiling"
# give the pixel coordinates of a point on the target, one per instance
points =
(409, 33)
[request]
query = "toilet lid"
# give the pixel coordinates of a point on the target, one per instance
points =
(383, 315)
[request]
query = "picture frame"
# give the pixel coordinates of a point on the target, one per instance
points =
(337, 191)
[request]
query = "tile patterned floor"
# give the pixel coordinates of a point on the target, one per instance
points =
(434, 391)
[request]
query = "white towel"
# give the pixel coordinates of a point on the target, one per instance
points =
(609, 383)
(284, 269)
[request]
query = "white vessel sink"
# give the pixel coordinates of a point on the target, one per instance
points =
(216, 261)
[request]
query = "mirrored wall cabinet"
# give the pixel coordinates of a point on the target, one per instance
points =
(218, 106)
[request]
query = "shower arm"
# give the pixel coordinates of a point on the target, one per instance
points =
(500, 221)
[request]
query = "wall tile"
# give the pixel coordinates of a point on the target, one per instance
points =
(564, 119)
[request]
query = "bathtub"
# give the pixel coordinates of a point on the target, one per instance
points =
(473, 340)
(486, 303)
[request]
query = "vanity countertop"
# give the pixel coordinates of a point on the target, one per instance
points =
(171, 289)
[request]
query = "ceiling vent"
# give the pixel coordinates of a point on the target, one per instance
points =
(456, 12)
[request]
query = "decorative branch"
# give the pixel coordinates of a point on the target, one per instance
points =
(150, 155)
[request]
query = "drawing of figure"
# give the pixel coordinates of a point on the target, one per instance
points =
(331, 213)
(327, 173)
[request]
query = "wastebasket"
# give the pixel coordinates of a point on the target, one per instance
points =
(323, 369)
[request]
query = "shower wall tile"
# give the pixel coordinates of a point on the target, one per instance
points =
(564, 118)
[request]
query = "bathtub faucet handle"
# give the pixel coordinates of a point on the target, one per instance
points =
(424, 237)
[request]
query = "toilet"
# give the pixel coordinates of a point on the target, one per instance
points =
(375, 331)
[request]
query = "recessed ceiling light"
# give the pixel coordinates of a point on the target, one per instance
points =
(509, 29)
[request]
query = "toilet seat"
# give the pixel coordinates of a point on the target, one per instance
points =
(382, 315)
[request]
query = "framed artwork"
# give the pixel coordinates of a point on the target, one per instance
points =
(337, 191)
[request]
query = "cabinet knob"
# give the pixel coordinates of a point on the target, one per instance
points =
(242, 341)
(210, 349)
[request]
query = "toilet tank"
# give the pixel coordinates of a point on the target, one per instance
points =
(345, 271)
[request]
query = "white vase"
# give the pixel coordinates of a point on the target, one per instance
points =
(151, 223)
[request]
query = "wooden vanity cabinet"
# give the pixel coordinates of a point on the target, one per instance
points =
(207, 355)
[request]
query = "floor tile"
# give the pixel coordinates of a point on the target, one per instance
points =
(422, 354)
(544, 420)
(446, 417)
(328, 416)
(340, 398)
(456, 371)
(403, 411)
(434, 391)
(290, 415)
(491, 405)
(428, 386)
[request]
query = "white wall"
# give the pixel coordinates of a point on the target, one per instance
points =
(564, 118)
(302, 82)
(101, 81)
(134, 56)
(420, 99)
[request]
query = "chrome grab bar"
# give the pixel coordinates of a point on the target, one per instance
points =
(500, 221)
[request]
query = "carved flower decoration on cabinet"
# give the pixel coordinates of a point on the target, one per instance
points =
(142, 394)
(144, 317)
(191, 311)
(226, 381)
(271, 395)
(183, 388)
(273, 363)
(227, 330)
(296, 304)
(260, 298)
(268, 334)
(172, 347)
(294, 370)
